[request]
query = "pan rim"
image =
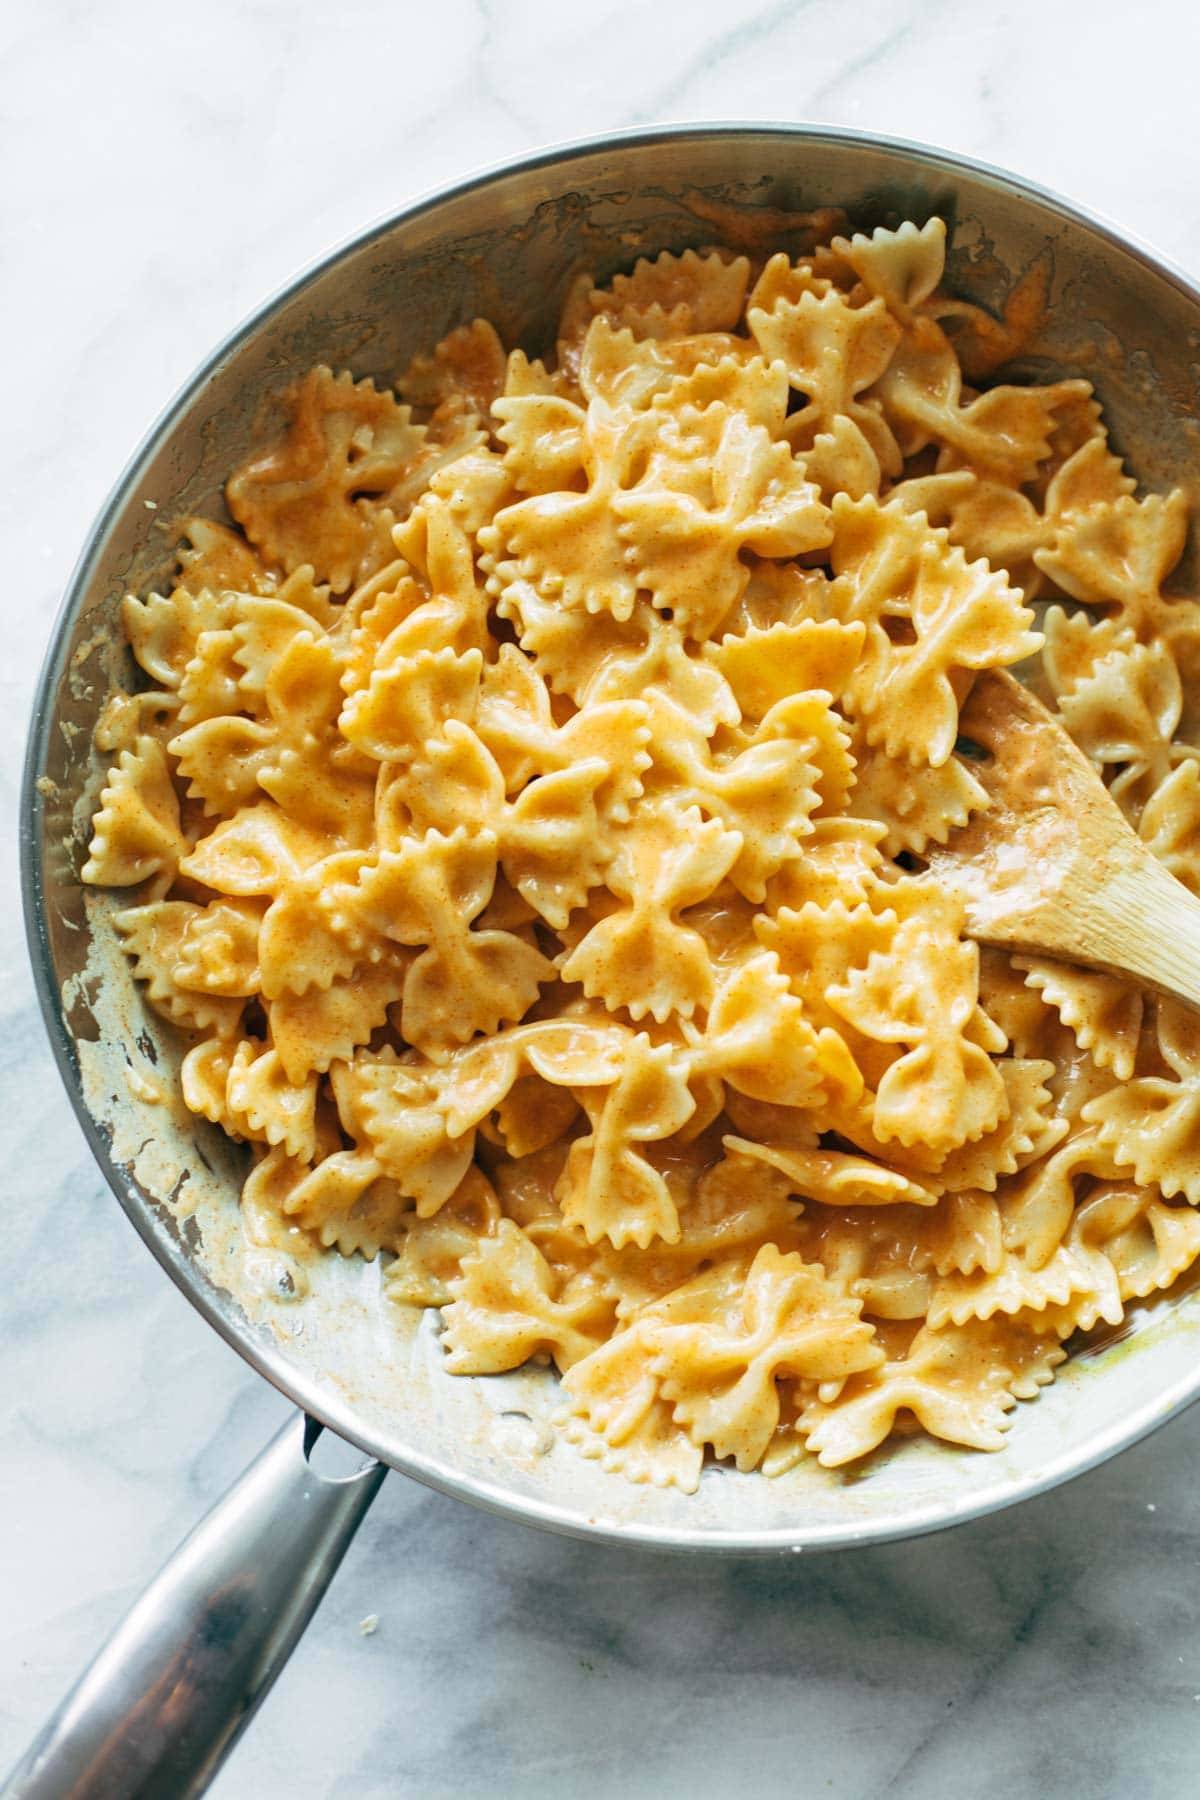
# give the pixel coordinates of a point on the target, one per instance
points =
(193, 1282)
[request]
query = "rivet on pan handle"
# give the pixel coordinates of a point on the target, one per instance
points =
(156, 1713)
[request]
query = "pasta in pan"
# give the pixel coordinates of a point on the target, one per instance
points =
(525, 812)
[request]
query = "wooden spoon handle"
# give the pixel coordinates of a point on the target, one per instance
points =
(1052, 865)
(1133, 919)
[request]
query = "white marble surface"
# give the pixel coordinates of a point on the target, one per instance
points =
(163, 169)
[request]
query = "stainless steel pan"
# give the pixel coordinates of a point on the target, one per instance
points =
(169, 1694)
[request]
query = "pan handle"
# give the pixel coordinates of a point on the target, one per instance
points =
(156, 1713)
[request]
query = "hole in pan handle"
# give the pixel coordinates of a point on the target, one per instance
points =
(167, 1697)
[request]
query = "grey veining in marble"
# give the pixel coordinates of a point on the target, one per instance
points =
(162, 170)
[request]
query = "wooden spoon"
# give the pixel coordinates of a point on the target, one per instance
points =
(1052, 866)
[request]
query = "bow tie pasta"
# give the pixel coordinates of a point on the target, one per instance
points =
(523, 817)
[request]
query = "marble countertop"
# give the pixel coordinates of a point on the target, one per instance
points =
(165, 169)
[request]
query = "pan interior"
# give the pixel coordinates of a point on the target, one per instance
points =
(506, 247)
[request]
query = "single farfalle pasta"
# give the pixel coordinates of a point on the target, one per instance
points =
(521, 817)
